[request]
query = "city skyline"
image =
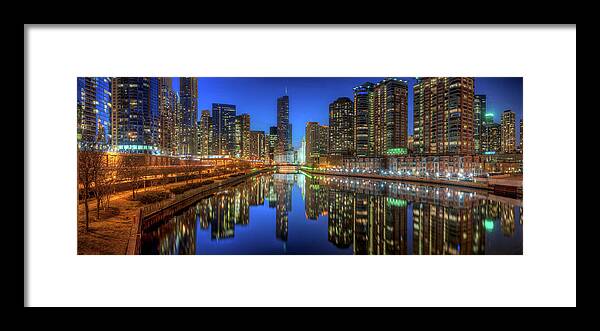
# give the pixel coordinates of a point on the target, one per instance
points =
(310, 97)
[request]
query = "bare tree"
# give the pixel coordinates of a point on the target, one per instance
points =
(108, 179)
(133, 169)
(89, 162)
(189, 169)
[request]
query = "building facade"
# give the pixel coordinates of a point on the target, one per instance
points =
(284, 132)
(205, 133)
(363, 106)
(521, 135)
(311, 134)
(223, 117)
(188, 98)
(94, 108)
(272, 143)
(443, 116)
(169, 117)
(341, 127)
(242, 136)
(509, 133)
(257, 145)
(135, 115)
(388, 120)
(479, 111)
(491, 140)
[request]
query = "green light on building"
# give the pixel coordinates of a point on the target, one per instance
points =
(488, 224)
(397, 151)
(396, 202)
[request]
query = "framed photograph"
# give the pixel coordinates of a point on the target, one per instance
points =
(256, 157)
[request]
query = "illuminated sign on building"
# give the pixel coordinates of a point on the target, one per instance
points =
(396, 202)
(397, 151)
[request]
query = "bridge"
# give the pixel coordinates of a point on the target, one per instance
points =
(287, 169)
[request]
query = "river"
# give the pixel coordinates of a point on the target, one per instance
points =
(306, 214)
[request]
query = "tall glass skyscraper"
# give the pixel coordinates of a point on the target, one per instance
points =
(168, 108)
(94, 107)
(204, 133)
(223, 117)
(284, 132)
(135, 116)
(188, 97)
(479, 110)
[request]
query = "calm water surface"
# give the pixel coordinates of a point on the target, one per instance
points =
(303, 214)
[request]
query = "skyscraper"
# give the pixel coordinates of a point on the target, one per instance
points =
(204, 133)
(188, 96)
(284, 134)
(509, 135)
(301, 152)
(223, 116)
(323, 141)
(242, 136)
(94, 107)
(272, 143)
(168, 112)
(257, 145)
(490, 139)
(521, 135)
(312, 142)
(363, 105)
(135, 116)
(388, 119)
(479, 110)
(443, 116)
(341, 127)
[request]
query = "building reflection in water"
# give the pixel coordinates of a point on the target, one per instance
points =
(372, 216)
(367, 216)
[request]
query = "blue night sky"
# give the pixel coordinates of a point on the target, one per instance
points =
(310, 97)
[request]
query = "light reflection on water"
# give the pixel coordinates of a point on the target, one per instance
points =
(297, 214)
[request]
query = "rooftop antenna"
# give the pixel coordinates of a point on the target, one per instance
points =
(286, 90)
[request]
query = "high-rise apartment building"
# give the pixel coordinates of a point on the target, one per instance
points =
(188, 98)
(324, 140)
(509, 135)
(272, 143)
(223, 117)
(341, 127)
(312, 142)
(443, 116)
(521, 135)
(479, 111)
(135, 115)
(388, 119)
(363, 106)
(257, 145)
(242, 136)
(94, 107)
(205, 133)
(491, 136)
(169, 116)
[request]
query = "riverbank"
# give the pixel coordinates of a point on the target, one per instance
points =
(111, 233)
(502, 184)
(478, 185)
